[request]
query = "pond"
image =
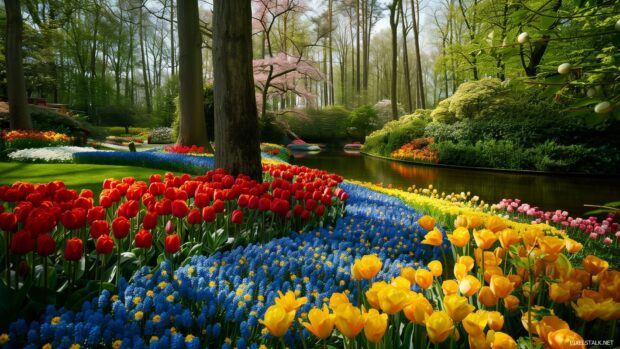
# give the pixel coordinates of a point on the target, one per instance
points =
(548, 192)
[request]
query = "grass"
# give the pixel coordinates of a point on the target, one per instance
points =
(75, 176)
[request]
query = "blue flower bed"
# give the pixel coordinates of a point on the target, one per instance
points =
(151, 159)
(217, 300)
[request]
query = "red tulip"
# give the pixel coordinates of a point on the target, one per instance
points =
(237, 217)
(310, 204)
(144, 239)
(105, 201)
(104, 244)
(169, 228)
(98, 228)
(194, 216)
(264, 204)
(128, 209)
(320, 210)
(179, 208)
(172, 244)
(155, 178)
(157, 188)
(243, 200)
(46, 245)
(208, 214)
(74, 249)
(163, 207)
(201, 200)
(150, 220)
(326, 199)
(94, 214)
(120, 227)
(218, 206)
(83, 202)
(74, 218)
(8, 221)
(22, 243)
(253, 203)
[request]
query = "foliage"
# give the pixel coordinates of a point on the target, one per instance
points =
(384, 111)
(396, 133)
(75, 126)
(363, 120)
(319, 125)
(208, 113)
(120, 131)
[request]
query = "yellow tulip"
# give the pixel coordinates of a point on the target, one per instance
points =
(536, 312)
(508, 237)
(368, 266)
(595, 265)
(401, 282)
(490, 271)
(609, 310)
(349, 320)
(372, 295)
(321, 322)
(473, 222)
(501, 286)
(439, 325)
(548, 324)
(457, 307)
(278, 320)
(552, 246)
(484, 238)
(573, 246)
(449, 287)
(609, 285)
(375, 325)
(559, 292)
(478, 342)
(515, 279)
(460, 222)
(495, 224)
(418, 309)
(337, 299)
(487, 297)
(565, 339)
(469, 285)
(426, 222)
(433, 237)
(511, 302)
(289, 301)
(408, 273)
(474, 323)
(495, 320)
(500, 340)
(423, 278)
(393, 299)
(460, 270)
(586, 309)
(585, 278)
(435, 267)
(459, 237)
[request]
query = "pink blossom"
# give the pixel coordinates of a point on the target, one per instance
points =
(593, 236)
(607, 241)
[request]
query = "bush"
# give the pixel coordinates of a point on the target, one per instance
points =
(362, 120)
(319, 125)
(397, 133)
(161, 135)
(76, 127)
(384, 111)
(120, 131)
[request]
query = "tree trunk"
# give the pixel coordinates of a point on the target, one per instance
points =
(415, 10)
(16, 84)
(394, 28)
(331, 53)
(406, 60)
(192, 126)
(236, 120)
(172, 49)
(357, 46)
(145, 71)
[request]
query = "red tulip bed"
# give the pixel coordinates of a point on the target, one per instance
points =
(58, 242)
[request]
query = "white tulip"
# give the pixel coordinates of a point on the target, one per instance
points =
(564, 68)
(523, 38)
(603, 108)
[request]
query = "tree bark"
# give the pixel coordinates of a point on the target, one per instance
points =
(145, 70)
(415, 10)
(192, 125)
(357, 46)
(394, 28)
(236, 121)
(16, 84)
(406, 59)
(330, 14)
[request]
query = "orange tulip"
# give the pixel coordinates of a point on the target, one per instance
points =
(393, 299)
(548, 324)
(492, 270)
(469, 285)
(531, 235)
(559, 293)
(473, 222)
(426, 222)
(337, 299)
(460, 270)
(484, 238)
(468, 261)
(573, 246)
(565, 339)
(478, 342)
(459, 237)
(500, 340)
(495, 224)
(511, 302)
(595, 265)
(435, 267)
(508, 237)
(460, 222)
(496, 320)
(408, 273)
(551, 246)
(501, 286)
(401, 283)
(433, 237)
(423, 278)
(586, 309)
(418, 309)
(609, 285)
(609, 310)
(487, 297)
(515, 279)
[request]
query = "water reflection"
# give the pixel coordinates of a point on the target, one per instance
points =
(549, 192)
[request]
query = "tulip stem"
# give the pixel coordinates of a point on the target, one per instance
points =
(282, 343)
(45, 273)
(118, 261)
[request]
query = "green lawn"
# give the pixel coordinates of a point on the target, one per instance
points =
(75, 176)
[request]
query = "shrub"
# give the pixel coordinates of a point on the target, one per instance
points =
(362, 120)
(120, 131)
(384, 111)
(319, 125)
(161, 135)
(73, 126)
(396, 133)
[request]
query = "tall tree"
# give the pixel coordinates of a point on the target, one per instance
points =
(415, 14)
(192, 125)
(236, 117)
(16, 84)
(405, 30)
(394, 16)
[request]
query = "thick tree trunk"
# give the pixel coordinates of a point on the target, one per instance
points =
(236, 122)
(145, 71)
(16, 84)
(192, 126)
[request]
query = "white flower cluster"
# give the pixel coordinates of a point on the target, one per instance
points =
(48, 154)
(161, 135)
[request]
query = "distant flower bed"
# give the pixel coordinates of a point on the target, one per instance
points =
(151, 159)
(20, 139)
(161, 135)
(276, 150)
(417, 150)
(182, 149)
(48, 154)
